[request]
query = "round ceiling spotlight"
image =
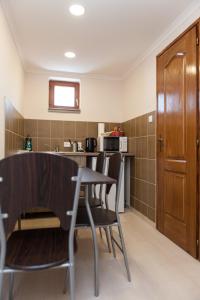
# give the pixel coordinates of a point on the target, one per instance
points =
(70, 54)
(77, 10)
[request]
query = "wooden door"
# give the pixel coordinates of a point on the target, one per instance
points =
(177, 142)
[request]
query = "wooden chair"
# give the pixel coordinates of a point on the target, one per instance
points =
(106, 218)
(39, 180)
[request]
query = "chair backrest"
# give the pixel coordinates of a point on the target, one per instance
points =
(100, 165)
(37, 180)
(114, 169)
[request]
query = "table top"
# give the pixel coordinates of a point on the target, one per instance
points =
(92, 177)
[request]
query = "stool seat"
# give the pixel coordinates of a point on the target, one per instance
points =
(101, 217)
(94, 202)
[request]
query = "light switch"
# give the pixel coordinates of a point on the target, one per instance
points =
(150, 119)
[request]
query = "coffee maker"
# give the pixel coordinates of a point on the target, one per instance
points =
(90, 144)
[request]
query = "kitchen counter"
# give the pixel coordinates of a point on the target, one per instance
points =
(83, 153)
(89, 154)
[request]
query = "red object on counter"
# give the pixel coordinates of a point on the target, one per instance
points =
(117, 133)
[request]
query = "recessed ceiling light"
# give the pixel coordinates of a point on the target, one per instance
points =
(180, 53)
(70, 54)
(77, 10)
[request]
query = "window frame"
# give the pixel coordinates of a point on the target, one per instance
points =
(53, 107)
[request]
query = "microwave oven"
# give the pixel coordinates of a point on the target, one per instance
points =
(113, 143)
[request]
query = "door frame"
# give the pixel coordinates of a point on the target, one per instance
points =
(158, 208)
(198, 138)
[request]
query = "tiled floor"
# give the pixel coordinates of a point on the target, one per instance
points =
(160, 270)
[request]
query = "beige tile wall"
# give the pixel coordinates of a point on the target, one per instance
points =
(14, 129)
(142, 142)
(48, 134)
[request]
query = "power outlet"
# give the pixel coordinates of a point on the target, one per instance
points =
(150, 119)
(67, 145)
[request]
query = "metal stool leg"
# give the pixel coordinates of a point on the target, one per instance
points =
(11, 286)
(107, 239)
(71, 282)
(95, 244)
(112, 242)
(1, 289)
(124, 251)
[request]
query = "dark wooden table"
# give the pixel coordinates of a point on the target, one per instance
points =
(90, 177)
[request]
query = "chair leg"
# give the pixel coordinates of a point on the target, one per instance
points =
(112, 242)
(11, 286)
(100, 232)
(107, 239)
(71, 283)
(95, 244)
(1, 285)
(124, 251)
(66, 282)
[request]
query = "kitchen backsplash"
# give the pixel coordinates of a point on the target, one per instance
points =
(48, 134)
(142, 142)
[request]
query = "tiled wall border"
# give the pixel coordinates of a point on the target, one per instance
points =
(142, 142)
(14, 129)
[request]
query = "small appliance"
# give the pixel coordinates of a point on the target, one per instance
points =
(113, 143)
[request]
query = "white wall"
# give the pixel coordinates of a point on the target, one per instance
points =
(11, 76)
(100, 99)
(140, 84)
(140, 90)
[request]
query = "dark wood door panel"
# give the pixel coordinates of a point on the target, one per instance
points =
(174, 196)
(179, 166)
(176, 231)
(174, 91)
(176, 148)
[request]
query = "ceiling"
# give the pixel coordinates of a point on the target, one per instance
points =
(107, 40)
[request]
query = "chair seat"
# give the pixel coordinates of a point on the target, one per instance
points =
(94, 202)
(101, 217)
(37, 249)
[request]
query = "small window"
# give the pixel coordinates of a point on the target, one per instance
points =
(64, 96)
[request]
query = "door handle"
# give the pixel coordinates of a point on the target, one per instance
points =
(160, 140)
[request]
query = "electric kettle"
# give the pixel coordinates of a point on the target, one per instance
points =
(90, 144)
